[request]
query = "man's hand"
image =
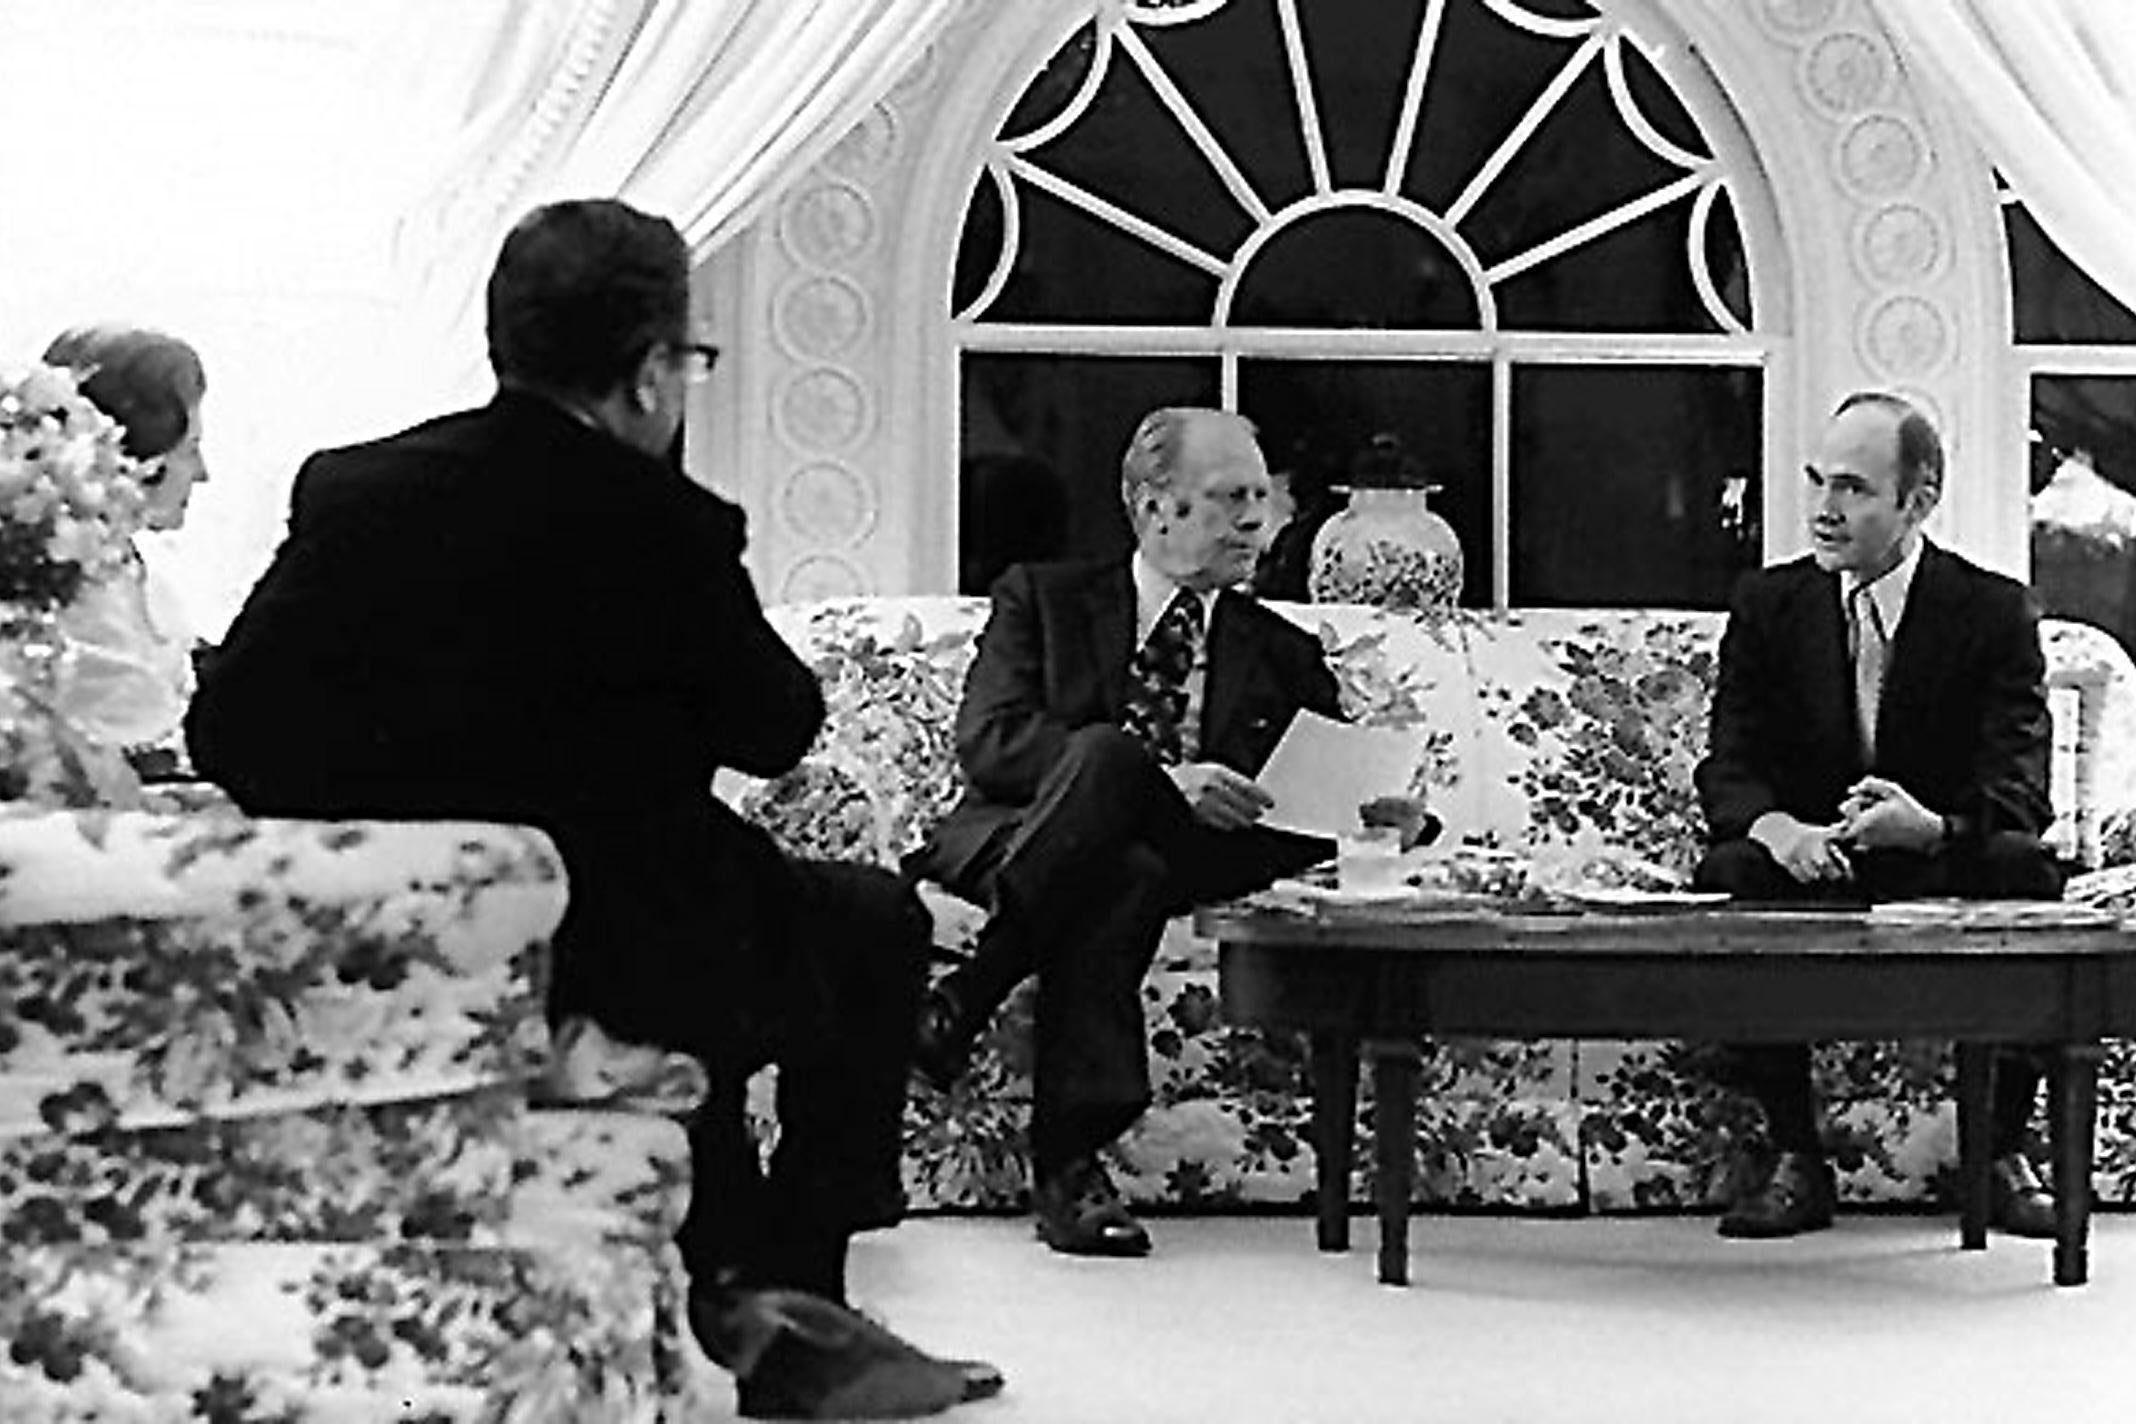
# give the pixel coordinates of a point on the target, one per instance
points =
(1809, 853)
(1882, 815)
(1219, 796)
(1407, 814)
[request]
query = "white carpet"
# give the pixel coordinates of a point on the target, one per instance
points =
(1526, 1321)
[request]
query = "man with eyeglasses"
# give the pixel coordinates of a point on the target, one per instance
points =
(529, 613)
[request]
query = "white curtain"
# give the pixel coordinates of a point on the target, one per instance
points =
(2049, 88)
(698, 110)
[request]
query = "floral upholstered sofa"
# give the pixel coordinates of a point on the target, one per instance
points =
(1558, 746)
(267, 1151)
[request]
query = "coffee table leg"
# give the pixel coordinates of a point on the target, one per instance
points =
(2073, 1092)
(1976, 1085)
(1394, 1146)
(1334, 1068)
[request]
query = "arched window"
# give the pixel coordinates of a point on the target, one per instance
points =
(1502, 233)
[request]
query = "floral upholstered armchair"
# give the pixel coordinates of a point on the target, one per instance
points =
(1558, 747)
(267, 1151)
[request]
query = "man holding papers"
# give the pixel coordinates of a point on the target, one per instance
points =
(1113, 720)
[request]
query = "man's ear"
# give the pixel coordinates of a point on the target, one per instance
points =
(1924, 498)
(645, 380)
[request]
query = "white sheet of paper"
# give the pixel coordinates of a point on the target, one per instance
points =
(1323, 770)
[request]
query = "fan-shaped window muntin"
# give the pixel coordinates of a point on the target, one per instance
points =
(1504, 266)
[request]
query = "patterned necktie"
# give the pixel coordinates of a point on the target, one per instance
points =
(1156, 709)
(1865, 630)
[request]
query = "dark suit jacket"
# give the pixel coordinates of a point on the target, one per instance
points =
(1054, 658)
(1963, 723)
(503, 614)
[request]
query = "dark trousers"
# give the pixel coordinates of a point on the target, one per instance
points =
(690, 933)
(840, 1033)
(2008, 865)
(1080, 886)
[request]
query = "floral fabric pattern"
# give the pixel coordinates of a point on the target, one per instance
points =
(266, 1150)
(1556, 745)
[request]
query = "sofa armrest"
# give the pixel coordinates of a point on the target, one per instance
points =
(159, 968)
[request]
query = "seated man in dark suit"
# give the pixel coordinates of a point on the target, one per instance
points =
(1879, 731)
(528, 613)
(1112, 721)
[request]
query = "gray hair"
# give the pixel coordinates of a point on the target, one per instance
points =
(1154, 451)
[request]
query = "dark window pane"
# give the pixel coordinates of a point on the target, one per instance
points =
(1048, 96)
(1580, 164)
(2056, 301)
(1317, 416)
(1634, 279)
(1358, 54)
(1071, 267)
(1726, 260)
(1233, 67)
(1634, 486)
(1039, 473)
(1356, 269)
(2084, 500)
(1129, 149)
(979, 248)
(1484, 75)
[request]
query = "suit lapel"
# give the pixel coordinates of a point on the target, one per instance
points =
(1829, 675)
(1233, 663)
(1917, 643)
(1109, 605)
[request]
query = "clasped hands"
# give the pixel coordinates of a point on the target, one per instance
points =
(1876, 814)
(1225, 800)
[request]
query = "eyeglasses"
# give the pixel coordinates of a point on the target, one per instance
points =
(697, 358)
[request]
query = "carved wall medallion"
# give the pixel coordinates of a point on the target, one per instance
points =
(821, 318)
(827, 502)
(1881, 156)
(1900, 243)
(1905, 337)
(1846, 73)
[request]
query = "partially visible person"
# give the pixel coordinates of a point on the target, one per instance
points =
(129, 675)
(1304, 501)
(1112, 722)
(1879, 731)
(528, 612)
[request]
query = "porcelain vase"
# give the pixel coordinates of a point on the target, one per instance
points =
(1388, 548)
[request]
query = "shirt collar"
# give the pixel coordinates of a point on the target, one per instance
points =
(1889, 589)
(1153, 593)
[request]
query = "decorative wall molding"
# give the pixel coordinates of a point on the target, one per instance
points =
(1898, 246)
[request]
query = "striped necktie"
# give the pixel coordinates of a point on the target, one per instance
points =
(1870, 646)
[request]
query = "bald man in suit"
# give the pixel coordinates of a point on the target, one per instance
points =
(1879, 731)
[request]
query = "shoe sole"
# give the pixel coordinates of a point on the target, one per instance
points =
(1746, 1232)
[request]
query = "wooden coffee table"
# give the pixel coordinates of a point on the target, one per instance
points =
(1371, 980)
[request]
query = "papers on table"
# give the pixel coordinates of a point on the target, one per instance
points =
(1323, 770)
(1992, 914)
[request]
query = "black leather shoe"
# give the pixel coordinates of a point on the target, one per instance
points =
(811, 1358)
(981, 1378)
(1797, 1195)
(1080, 1213)
(2018, 1201)
(942, 1043)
